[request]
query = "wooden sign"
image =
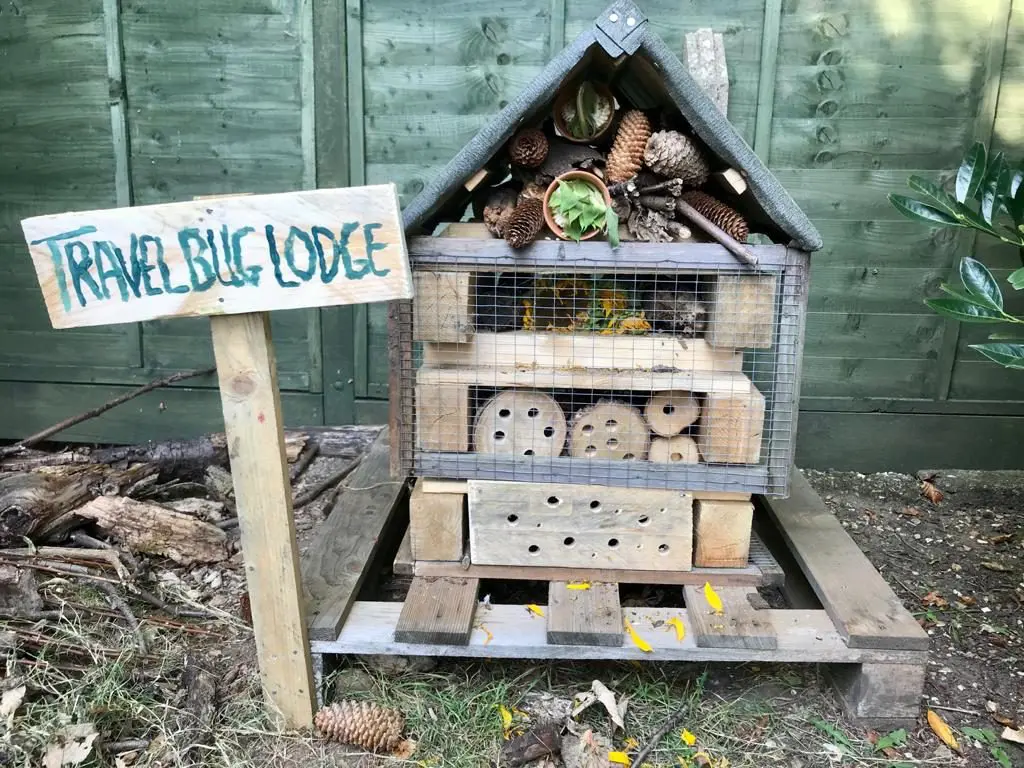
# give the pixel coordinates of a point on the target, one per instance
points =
(217, 256)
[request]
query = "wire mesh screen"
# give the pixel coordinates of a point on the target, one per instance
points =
(637, 369)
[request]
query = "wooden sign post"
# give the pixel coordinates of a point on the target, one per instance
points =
(236, 258)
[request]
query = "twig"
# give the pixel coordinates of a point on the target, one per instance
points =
(130, 745)
(305, 459)
(122, 607)
(669, 724)
(326, 483)
(957, 709)
(231, 522)
(156, 602)
(60, 426)
(88, 541)
(728, 242)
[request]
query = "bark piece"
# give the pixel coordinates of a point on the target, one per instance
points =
(543, 741)
(195, 717)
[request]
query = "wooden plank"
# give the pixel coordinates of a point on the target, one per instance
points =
(581, 350)
(442, 416)
(334, 568)
(535, 524)
(886, 693)
(511, 632)
(443, 309)
(731, 427)
(739, 625)
(705, 60)
(867, 377)
(873, 244)
(403, 565)
(85, 282)
(590, 616)
(767, 74)
(436, 525)
(721, 533)
(865, 610)
(259, 469)
(872, 336)
(761, 570)
(741, 311)
(878, 290)
(438, 611)
(429, 485)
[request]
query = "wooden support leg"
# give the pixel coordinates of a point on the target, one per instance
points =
(881, 694)
(252, 421)
(436, 524)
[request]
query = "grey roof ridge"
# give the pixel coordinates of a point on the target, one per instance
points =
(695, 105)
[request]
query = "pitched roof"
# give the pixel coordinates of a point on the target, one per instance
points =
(614, 36)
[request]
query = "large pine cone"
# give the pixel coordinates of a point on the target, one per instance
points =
(525, 223)
(627, 153)
(718, 213)
(672, 154)
(501, 201)
(361, 724)
(528, 148)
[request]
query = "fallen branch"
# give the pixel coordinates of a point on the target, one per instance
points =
(326, 483)
(668, 725)
(60, 426)
(730, 243)
(305, 459)
(122, 607)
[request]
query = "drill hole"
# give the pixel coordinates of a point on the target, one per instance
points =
(613, 543)
(549, 431)
(554, 501)
(504, 413)
(595, 505)
(612, 442)
(628, 457)
(499, 435)
(611, 424)
(513, 519)
(668, 409)
(588, 429)
(676, 456)
(644, 520)
(569, 541)
(528, 452)
(663, 549)
(532, 413)
(590, 451)
(533, 549)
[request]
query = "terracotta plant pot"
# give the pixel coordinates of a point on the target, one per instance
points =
(569, 94)
(591, 179)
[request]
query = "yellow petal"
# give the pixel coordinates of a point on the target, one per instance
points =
(620, 758)
(506, 719)
(630, 743)
(638, 641)
(943, 731)
(535, 609)
(680, 628)
(578, 585)
(712, 597)
(488, 634)
(688, 738)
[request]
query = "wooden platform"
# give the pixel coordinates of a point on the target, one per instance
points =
(876, 651)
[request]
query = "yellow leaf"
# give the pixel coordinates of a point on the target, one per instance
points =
(535, 609)
(688, 738)
(506, 720)
(578, 585)
(630, 743)
(489, 635)
(638, 641)
(680, 628)
(713, 599)
(620, 758)
(943, 731)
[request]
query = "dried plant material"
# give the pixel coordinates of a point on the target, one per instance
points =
(619, 758)
(501, 201)
(648, 226)
(1012, 735)
(638, 641)
(670, 153)
(911, 512)
(532, 190)
(74, 748)
(564, 156)
(994, 565)
(680, 628)
(584, 749)
(9, 704)
(535, 610)
(627, 152)
(930, 491)
(361, 724)
(678, 311)
(528, 148)
(718, 213)
(713, 599)
(1001, 538)
(934, 600)
(599, 692)
(942, 730)
(524, 224)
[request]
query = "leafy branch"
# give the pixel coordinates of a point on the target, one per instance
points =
(988, 198)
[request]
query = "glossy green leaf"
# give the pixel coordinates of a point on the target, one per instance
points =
(964, 311)
(1006, 354)
(971, 173)
(938, 196)
(1016, 279)
(995, 187)
(1015, 197)
(956, 293)
(894, 739)
(915, 209)
(980, 283)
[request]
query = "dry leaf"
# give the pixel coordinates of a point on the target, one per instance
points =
(930, 492)
(630, 743)
(679, 626)
(535, 610)
(75, 749)
(713, 599)
(911, 512)
(992, 565)
(1002, 719)
(607, 698)
(1009, 734)
(488, 635)
(580, 585)
(405, 749)
(935, 600)
(638, 641)
(967, 600)
(687, 738)
(1001, 538)
(9, 704)
(619, 758)
(942, 730)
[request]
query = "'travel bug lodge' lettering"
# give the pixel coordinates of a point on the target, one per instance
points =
(89, 269)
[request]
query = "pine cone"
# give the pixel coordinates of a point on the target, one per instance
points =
(532, 189)
(501, 201)
(718, 213)
(672, 154)
(528, 148)
(361, 724)
(627, 151)
(525, 223)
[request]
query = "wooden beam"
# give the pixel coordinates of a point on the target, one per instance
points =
(436, 527)
(721, 533)
(864, 608)
(333, 569)
(739, 625)
(252, 421)
(438, 611)
(584, 614)
(877, 694)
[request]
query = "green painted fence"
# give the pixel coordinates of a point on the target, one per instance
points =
(116, 102)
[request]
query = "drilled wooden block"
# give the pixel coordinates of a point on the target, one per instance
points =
(730, 427)
(436, 524)
(742, 312)
(551, 524)
(721, 533)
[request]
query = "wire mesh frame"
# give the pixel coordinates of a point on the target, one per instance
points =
(773, 371)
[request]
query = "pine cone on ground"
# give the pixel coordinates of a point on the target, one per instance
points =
(361, 724)
(528, 148)
(718, 213)
(627, 153)
(501, 201)
(672, 154)
(525, 223)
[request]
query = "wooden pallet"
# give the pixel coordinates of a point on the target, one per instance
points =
(876, 651)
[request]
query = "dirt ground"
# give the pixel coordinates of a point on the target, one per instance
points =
(956, 564)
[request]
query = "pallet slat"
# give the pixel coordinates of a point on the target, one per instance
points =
(739, 625)
(437, 611)
(584, 616)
